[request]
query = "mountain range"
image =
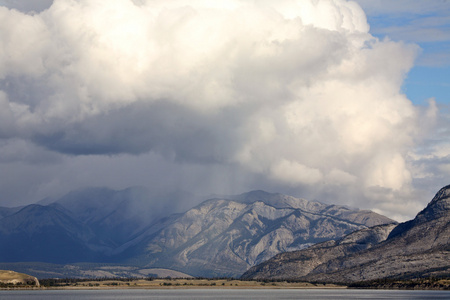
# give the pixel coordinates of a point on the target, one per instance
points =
(417, 248)
(223, 236)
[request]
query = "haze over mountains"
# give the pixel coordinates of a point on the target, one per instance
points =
(417, 248)
(219, 237)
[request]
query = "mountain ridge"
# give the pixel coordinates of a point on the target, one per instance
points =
(218, 237)
(419, 247)
(239, 234)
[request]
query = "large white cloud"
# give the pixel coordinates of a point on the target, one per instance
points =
(296, 93)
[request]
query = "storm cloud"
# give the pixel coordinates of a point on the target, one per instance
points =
(209, 96)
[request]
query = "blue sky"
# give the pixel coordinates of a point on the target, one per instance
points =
(427, 24)
(424, 82)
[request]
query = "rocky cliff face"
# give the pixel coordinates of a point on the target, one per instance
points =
(301, 263)
(224, 237)
(420, 247)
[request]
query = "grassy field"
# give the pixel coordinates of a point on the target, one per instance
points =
(23, 281)
(177, 283)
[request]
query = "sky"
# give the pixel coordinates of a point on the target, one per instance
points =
(344, 102)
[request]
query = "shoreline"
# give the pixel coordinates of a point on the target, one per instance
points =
(176, 284)
(87, 288)
(168, 283)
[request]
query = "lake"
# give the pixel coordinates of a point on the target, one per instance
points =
(219, 294)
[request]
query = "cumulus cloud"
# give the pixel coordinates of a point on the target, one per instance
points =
(293, 94)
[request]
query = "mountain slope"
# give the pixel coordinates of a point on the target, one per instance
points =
(219, 237)
(224, 237)
(417, 248)
(44, 233)
(301, 263)
(7, 211)
(118, 216)
(114, 215)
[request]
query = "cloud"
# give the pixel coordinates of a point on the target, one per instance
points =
(294, 172)
(290, 94)
(429, 162)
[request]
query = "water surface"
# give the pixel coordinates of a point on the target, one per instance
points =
(219, 294)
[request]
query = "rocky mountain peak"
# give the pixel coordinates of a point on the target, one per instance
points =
(438, 207)
(443, 196)
(254, 196)
(278, 200)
